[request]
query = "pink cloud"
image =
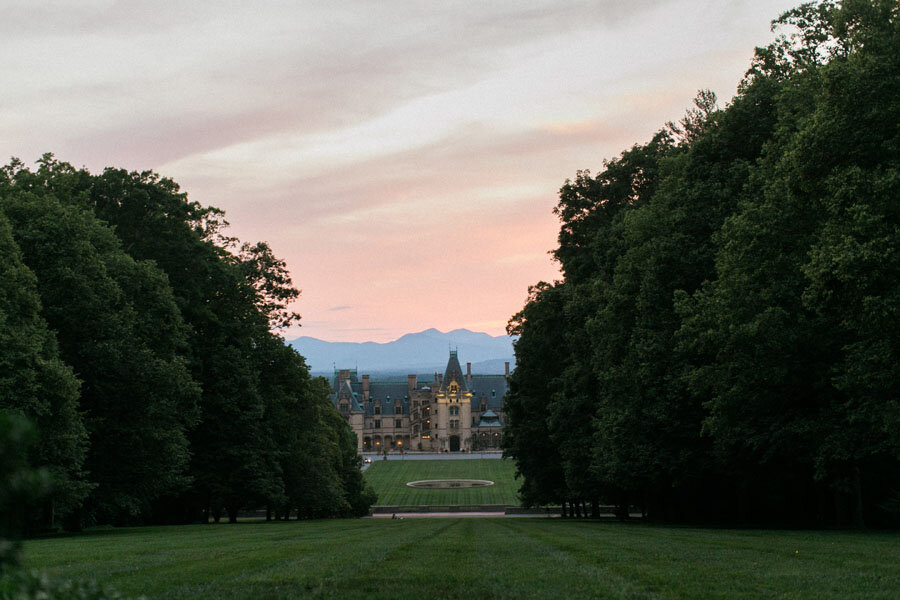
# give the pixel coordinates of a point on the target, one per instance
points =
(444, 223)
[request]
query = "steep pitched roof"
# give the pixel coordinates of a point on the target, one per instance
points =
(393, 395)
(336, 378)
(347, 392)
(490, 387)
(454, 373)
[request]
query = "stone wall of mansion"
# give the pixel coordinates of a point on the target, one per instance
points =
(453, 412)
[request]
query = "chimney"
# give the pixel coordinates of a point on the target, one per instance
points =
(468, 370)
(507, 370)
(344, 376)
(411, 380)
(365, 388)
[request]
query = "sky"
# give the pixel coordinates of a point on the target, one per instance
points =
(403, 157)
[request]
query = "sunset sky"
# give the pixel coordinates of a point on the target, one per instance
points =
(403, 157)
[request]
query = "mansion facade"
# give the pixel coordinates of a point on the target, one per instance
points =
(453, 412)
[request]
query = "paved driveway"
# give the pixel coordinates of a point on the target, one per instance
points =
(374, 456)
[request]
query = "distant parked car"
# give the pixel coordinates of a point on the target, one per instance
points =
(367, 460)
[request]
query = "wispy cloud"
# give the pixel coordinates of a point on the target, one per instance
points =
(403, 157)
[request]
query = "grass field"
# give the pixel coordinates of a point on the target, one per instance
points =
(475, 558)
(389, 478)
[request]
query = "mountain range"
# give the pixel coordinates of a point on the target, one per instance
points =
(423, 352)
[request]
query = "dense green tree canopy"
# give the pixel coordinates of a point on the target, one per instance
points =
(730, 296)
(36, 383)
(168, 397)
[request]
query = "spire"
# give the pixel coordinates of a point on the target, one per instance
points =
(454, 373)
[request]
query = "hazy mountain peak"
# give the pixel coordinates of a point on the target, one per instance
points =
(416, 352)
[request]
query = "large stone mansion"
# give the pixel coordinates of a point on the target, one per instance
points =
(450, 413)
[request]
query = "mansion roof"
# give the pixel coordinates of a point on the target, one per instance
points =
(453, 373)
(393, 396)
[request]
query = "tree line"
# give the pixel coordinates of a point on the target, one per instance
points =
(724, 344)
(137, 338)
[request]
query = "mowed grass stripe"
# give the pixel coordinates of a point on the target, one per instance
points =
(475, 558)
(251, 560)
(466, 561)
(762, 563)
(389, 479)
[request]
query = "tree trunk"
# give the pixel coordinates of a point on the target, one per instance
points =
(857, 513)
(232, 514)
(268, 513)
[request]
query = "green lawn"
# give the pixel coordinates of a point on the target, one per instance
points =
(475, 558)
(389, 478)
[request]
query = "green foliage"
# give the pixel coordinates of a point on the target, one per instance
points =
(36, 383)
(121, 331)
(730, 295)
(540, 352)
(33, 585)
(358, 496)
(324, 468)
(264, 435)
(20, 483)
(188, 403)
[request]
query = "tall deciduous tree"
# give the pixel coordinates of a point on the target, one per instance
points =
(36, 383)
(730, 291)
(264, 436)
(121, 331)
(540, 351)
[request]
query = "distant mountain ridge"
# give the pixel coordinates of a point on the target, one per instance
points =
(422, 352)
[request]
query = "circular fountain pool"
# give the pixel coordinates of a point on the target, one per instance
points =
(449, 484)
